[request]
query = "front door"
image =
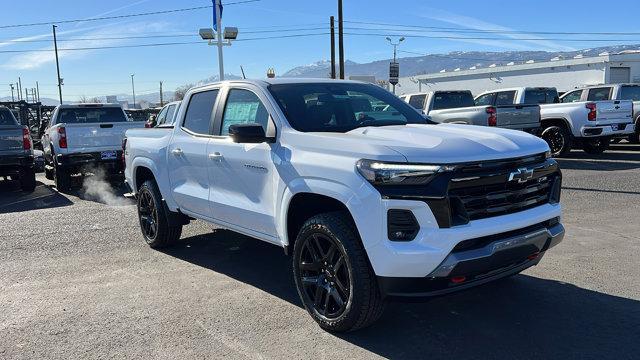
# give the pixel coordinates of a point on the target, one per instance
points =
(187, 155)
(244, 192)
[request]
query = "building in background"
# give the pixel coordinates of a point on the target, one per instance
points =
(564, 74)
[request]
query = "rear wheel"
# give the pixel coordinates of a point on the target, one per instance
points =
(558, 139)
(333, 277)
(153, 216)
(635, 137)
(27, 179)
(596, 146)
(62, 178)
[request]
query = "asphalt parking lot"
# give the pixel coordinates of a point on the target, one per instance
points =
(77, 281)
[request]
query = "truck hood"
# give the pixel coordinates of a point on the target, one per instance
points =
(450, 143)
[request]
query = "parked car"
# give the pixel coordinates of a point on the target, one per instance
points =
(572, 119)
(166, 116)
(629, 92)
(16, 151)
(459, 107)
(84, 136)
(372, 204)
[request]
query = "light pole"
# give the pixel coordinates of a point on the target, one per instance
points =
(12, 98)
(55, 46)
(394, 67)
(133, 89)
(228, 34)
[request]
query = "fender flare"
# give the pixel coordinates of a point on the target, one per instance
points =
(566, 122)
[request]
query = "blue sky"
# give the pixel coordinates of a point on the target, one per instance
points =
(100, 72)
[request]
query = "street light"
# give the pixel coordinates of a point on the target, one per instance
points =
(394, 67)
(395, 46)
(133, 88)
(228, 34)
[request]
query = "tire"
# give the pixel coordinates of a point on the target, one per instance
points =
(153, 216)
(48, 173)
(635, 137)
(558, 139)
(596, 146)
(62, 179)
(332, 274)
(27, 179)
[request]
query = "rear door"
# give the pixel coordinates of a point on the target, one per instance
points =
(515, 116)
(244, 174)
(486, 99)
(187, 155)
(10, 133)
(94, 127)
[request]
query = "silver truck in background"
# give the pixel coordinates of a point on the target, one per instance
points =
(629, 92)
(573, 119)
(459, 107)
(16, 151)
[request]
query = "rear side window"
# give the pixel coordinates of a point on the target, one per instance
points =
(417, 101)
(162, 116)
(199, 112)
(599, 94)
(630, 93)
(451, 100)
(171, 111)
(6, 118)
(573, 96)
(541, 96)
(243, 107)
(505, 98)
(485, 100)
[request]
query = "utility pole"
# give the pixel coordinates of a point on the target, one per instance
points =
(19, 88)
(12, 98)
(55, 47)
(38, 91)
(161, 98)
(133, 88)
(217, 7)
(333, 47)
(340, 39)
(26, 94)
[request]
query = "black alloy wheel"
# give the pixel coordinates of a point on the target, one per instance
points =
(325, 276)
(558, 140)
(148, 214)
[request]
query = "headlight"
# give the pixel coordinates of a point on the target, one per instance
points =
(383, 173)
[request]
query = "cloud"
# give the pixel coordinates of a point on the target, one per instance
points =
(477, 24)
(113, 11)
(45, 55)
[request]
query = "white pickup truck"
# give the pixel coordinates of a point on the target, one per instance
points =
(572, 119)
(459, 107)
(372, 201)
(83, 137)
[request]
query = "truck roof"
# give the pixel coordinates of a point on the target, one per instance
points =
(520, 88)
(88, 105)
(434, 91)
(274, 81)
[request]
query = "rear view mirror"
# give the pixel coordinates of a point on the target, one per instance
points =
(247, 133)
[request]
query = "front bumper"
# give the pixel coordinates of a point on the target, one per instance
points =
(478, 261)
(607, 130)
(88, 160)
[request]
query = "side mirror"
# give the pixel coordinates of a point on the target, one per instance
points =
(248, 133)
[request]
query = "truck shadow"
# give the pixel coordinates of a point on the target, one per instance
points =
(607, 161)
(12, 199)
(520, 317)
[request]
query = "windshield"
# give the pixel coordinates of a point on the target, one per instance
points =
(452, 99)
(91, 115)
(341, 107)
(6, 118)
(630, 93)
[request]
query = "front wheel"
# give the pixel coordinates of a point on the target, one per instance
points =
(596, 146)
(153, 216)
(332, 274)
(558, 139)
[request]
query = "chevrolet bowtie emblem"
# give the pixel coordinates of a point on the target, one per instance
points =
(521, 175)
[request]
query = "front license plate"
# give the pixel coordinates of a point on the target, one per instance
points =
(108, 155)
(614, 127)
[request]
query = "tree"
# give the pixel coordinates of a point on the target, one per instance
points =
(181, 91)
(93, 100)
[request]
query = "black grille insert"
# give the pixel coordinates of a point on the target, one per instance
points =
(401, 225)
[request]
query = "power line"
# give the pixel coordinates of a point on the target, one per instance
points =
(452, 29)
(122, 16)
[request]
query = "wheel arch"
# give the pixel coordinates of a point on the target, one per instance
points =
(557, 121)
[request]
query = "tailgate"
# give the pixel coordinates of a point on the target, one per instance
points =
(518, 116)
(100, 135)
(11, 141)
(614, 111)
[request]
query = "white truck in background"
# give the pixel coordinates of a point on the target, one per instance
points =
(573, 119)
(83, 137)
(459, 107)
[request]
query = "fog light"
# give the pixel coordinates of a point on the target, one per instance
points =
(401, 225)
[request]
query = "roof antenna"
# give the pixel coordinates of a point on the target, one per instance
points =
(241, 69)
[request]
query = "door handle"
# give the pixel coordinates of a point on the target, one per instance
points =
(177, 152)
(216, 156)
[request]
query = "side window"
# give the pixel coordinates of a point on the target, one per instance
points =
(243, 107)
(505, 98)
(171, 110)
(573, 96)
(161, 117)
(598, 94)
(486, 99)
(199, 111)
(417, 101)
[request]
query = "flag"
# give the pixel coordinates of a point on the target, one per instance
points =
(215, 17)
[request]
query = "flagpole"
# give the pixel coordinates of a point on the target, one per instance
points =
(216, 10)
